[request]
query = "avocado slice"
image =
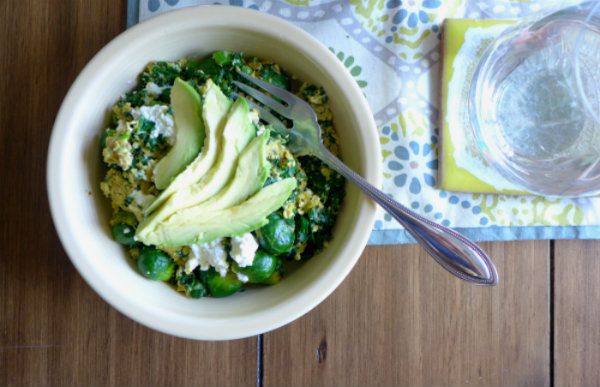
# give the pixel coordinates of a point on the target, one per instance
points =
(250, 175)
(183, 229)
(214, 111)
(187, 115)
(237, 133)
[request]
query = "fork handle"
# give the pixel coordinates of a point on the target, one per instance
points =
(456, 253)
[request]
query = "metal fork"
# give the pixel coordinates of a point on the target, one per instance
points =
(454, 252)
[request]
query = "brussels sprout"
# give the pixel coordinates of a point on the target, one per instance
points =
(155, 264)
(221, 286)
(278, 235)
(273, 279)
(262, 268)
(123, 233)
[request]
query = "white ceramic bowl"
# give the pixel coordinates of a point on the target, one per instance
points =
(81, 212)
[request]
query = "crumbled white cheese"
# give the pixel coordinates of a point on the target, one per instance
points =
(143, 200)
(153, 88)
(207, 255)
(163, 121)
(242, 277)
(253, 114)
(243, 249)
(191, 264)
(260, 130)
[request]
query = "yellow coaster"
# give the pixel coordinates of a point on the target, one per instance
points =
(452, 176)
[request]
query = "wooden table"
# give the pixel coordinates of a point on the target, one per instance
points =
(397, 320)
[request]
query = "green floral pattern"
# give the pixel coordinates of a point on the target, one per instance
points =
(391, 48)
(350, 63)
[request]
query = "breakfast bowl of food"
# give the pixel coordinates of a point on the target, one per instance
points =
(180, 204)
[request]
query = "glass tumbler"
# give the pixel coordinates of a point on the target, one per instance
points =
(534, 103)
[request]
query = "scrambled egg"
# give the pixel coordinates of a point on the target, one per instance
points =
(118, 150)
(131, 151)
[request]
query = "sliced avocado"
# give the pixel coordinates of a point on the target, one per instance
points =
(214, 111)
(237, 133)
(189, 129)
(250, 175)
(184, 229)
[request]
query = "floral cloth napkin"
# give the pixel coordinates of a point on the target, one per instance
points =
(399, 42)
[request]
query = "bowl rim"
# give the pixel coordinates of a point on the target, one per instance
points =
(248, 19)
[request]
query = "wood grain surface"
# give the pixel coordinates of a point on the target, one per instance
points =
(577, 313)
(54, 330)
(400, 320)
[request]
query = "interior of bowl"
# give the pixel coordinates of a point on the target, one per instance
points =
(81, 211)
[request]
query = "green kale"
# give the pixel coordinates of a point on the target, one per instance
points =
(143, 132)
(313, 94)
(331, 191)
(191, 283)
(135, 97)
(223, 58)
(271, 73)
(104, 135)
(161, 73)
